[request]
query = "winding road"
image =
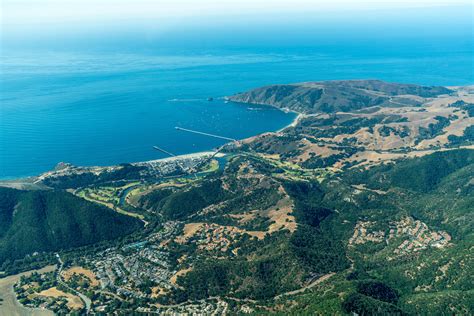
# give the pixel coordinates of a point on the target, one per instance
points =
(84, 298)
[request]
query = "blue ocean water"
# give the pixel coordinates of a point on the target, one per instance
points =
(104, 108)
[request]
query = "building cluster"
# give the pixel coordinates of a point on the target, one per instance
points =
(122, 270)
(42, 291)
(171, 166)
(202, 307)
(419, 236)
(416, 234)
(216, 237)
(153, 168)
(361, 235)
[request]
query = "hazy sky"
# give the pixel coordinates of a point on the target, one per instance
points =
(206, 23)
(24, 12)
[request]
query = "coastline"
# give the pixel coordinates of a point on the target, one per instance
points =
(198, 154)
(26, 182)
(30, 183)
(293, 123)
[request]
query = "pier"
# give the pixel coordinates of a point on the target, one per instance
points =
(193, 169)
(205, 134)
(164, 151)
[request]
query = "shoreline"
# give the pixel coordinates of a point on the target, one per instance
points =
(22, 182)
(25, 183)
(293, 123)
(198, 154)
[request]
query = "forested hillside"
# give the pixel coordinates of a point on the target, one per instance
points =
(36, 221)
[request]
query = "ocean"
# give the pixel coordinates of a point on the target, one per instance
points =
(105, 108)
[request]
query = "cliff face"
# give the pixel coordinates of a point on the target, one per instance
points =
(337, 96)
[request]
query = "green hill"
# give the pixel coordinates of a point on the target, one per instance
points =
(35, 221)
(422, 174)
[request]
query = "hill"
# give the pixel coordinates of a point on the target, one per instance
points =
(420, 175)
(36, 221)
(336, 96)
(353, 123)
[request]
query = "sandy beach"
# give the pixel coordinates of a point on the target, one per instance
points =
(293, 123)
(182, 157)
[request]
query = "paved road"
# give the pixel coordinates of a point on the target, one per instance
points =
(314, 283)
(84, 298)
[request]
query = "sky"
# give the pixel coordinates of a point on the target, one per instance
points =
(22, 12)
(30, 22)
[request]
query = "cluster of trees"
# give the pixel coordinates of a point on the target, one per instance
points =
(433, 129)
(44, 281)
(154, 199)
(314, 242)
(273, 270)
(466, 138)
(371, 297)
(184, 203)
(54, 220)
(125, 172)
(386, 130)
(420, 174)
(365, 305)
(40, 282)
(469, 107)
